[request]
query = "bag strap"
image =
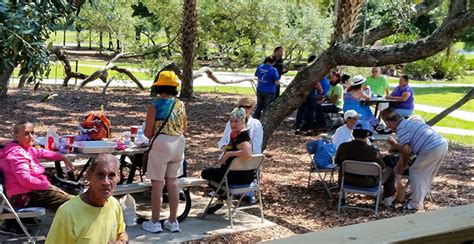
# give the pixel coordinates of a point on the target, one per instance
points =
(161, 127)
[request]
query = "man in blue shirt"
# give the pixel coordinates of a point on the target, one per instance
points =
(421, 140)
(268, 79)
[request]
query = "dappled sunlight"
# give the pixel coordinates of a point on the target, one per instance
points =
(286, 198)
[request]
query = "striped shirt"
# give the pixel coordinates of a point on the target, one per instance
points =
(421, 137)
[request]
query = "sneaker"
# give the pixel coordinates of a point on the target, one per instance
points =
(172, 227)
(253, 200)
(388, 201)
(152, 227)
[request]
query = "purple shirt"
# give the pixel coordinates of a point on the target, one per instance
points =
(397, 92)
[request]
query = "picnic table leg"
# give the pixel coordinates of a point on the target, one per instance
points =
(123, 164)
(135, 160)
(83, 170)
(59, 170)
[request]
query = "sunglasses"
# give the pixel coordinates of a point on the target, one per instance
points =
(241, 106)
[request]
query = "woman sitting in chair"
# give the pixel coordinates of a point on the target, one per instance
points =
(25, 180)
(238, 147)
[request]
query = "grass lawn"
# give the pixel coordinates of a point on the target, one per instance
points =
(459, 139)
(442, 97)
(448, 121)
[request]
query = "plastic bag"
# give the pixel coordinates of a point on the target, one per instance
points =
(129, 208)
(52, 139)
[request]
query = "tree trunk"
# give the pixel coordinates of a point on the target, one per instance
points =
(118, 45)
(22, 81)
(295, 93)
(111, 44)
(90, 39)
(78, 38)
(469, 96)
(101, 44)
(5, 81)
(188, 46)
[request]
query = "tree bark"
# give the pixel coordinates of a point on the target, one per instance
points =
(5, 81)
(22, 81)
(101, 43)
(188, 46)
(466, 98)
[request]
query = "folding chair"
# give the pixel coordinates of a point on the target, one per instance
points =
(8, 212)
(360, 168)
(322, 172)
(239, 165)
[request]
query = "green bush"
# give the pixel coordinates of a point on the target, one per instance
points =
(440, 66)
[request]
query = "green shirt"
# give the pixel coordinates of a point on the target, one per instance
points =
(377, 85)
(336, 91)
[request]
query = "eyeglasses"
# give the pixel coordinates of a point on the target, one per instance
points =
(247, 107)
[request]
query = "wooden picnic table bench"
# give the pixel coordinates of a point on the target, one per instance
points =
(184, 183)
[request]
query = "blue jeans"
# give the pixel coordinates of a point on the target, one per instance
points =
(404, 112)
(306, 112)
(321, 110)
(263, 100)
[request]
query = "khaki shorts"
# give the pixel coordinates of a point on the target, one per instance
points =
(166, 157)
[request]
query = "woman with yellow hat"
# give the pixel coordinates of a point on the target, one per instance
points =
(166, 123)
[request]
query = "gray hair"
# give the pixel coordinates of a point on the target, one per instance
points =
(389, 115)
(103, 157)
(376, 69)
(20, 125)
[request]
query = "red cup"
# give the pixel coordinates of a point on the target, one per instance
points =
(134, 130)
(70, 139)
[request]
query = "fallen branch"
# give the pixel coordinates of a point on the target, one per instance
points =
(466, 98)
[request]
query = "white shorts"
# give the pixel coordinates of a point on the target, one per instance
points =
(166, 157)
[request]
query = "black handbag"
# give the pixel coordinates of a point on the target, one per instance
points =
(71, 187)
(158, 132)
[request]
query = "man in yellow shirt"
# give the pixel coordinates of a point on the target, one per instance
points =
(94, 216)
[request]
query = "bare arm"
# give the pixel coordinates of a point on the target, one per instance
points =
(277, 82)
(122, 238)
(403, 98)
(244, 152)
(185, 122)
(403, 163)
(150, 122)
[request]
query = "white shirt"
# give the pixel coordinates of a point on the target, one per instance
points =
(342, 134)
(255, 132)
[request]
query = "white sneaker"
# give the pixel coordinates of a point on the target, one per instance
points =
(152, 227)
(388, 201)
(173, 227)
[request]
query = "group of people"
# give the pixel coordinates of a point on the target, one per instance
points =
(27, 183)
(341, 93)
(166, 125)
(415, 138)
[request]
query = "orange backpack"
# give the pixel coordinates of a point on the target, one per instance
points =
(97, 125)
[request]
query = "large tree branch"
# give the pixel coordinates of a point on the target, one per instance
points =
(389, 28)
(406, 52)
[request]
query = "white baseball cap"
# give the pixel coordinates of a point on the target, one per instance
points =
(357, 80)
(351, 114)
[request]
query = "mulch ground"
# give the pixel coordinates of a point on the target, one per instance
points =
(287, 200)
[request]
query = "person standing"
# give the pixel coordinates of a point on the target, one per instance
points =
(377, 83)
(268, 79)
(278, 65)
(418, 139)
(94, 216)
(167, 150)
(404, 95)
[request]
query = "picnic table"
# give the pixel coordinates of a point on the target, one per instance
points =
(133, 153)
(376, 101)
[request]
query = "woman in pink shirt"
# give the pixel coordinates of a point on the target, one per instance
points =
(24, 178)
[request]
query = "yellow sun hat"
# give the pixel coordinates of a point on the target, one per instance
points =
(167, 78)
